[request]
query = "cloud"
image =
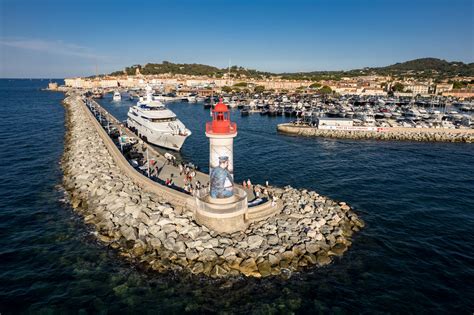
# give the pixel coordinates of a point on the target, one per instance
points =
(54, 47)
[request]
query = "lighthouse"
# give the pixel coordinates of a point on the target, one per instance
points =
(222, 205)
(221, 133)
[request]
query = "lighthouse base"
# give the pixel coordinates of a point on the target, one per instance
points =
(226, 215)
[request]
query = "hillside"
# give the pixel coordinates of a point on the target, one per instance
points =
(420, 68)
(191, 69)
(430, 66)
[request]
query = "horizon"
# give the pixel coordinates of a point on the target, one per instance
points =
(55, 39)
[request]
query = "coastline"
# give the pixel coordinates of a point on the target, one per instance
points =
(146, 227)
(389, 134)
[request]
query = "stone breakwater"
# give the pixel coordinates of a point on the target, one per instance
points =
(309, 231)
(397, 134)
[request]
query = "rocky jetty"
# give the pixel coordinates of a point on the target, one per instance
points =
(397, 134)
(310, 230)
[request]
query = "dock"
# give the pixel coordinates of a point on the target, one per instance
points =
(381, 133)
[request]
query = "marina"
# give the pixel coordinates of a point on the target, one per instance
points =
(412, 119)
(368, 111)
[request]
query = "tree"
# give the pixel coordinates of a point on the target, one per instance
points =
(242, 84)
(315, 85)
(398, 87)
(325, 90)
(459, 84)
(259, 89)
(227, 89)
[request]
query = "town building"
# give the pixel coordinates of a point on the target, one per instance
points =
(443, 87)
(460, 93)
(417, 88)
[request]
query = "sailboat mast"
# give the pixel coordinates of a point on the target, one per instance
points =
(228, 75)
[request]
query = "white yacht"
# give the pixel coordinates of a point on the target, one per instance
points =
(367, 117)
(163, 98)
(156, 124)
(413, 114)
(424, 113)
(117, 97)
(232, 104)
(192, 98)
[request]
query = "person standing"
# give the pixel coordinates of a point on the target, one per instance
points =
(274, 199)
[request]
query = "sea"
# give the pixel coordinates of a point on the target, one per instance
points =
(415, 254)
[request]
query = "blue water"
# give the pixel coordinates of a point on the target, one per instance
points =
(414, 256)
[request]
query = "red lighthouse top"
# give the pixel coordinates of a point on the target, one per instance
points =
(221, 123)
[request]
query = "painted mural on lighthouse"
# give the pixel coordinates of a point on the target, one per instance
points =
(221, 132)
(222, 181)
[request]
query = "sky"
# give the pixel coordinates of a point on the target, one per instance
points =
(56, 39)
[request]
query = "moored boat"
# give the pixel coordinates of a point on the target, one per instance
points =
(156, 124)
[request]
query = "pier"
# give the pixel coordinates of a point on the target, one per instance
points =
(155, 225)
(385, 133)
(146, 177)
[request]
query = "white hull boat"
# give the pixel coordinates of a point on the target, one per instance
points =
(117, 97)
(156, 124)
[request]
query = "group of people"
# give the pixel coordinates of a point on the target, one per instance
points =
(193, 189)
(188, 186)
(260, 191)
(171, 159)
(169, 182)
(189, 173)
(247, 184)
(154, 169)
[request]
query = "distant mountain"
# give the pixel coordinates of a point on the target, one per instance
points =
(421, 68)
(430, 66)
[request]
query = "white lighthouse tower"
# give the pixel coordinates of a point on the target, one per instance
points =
(222, 205)
(221, 133)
